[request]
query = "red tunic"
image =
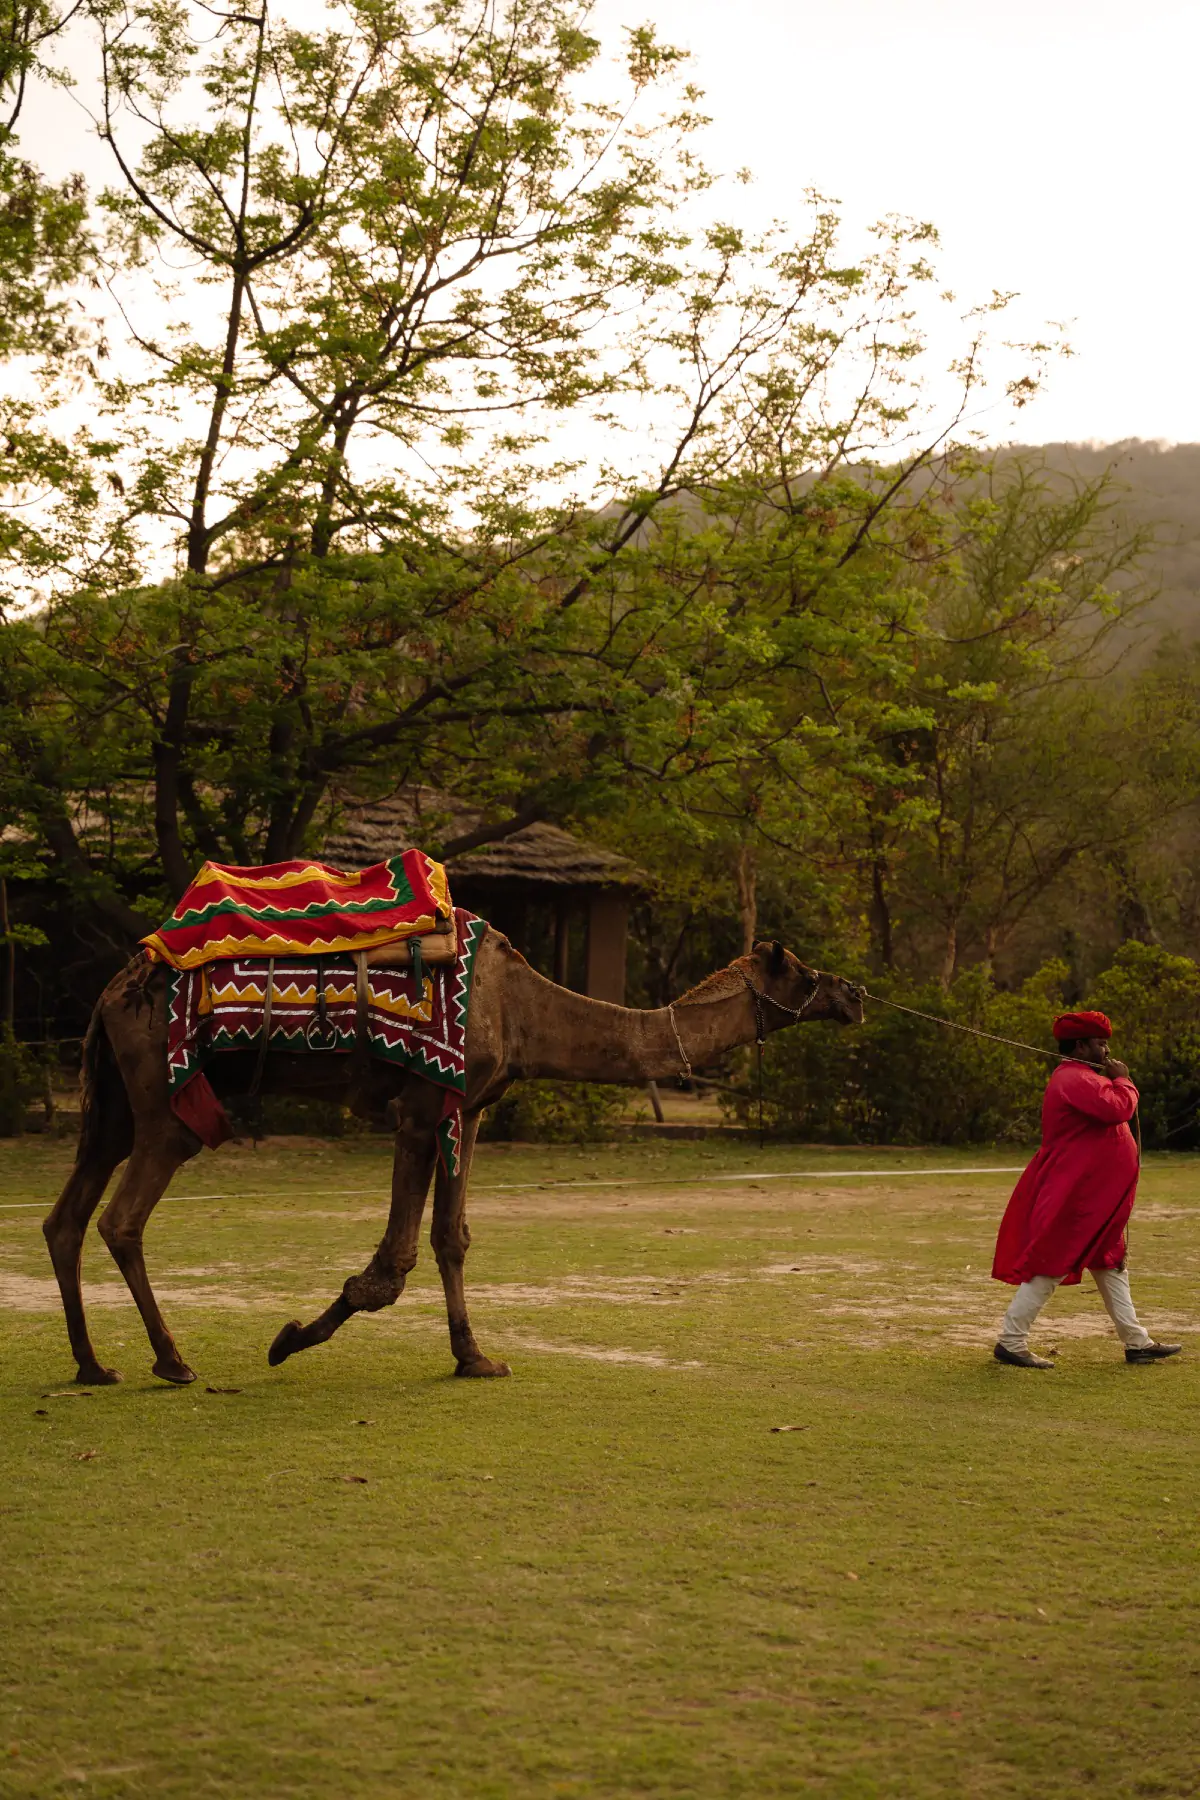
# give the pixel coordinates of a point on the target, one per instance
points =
(1070, 1208)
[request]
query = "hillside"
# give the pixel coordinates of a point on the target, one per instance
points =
(1161, 486)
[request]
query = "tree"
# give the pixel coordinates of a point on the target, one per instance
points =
(429, 241)
(43, 244)
(1019, 772)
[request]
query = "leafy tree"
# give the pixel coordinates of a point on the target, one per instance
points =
(1018, 772)
(43, 243)
(419, 239)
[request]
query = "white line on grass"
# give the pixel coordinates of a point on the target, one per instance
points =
(531, 1187)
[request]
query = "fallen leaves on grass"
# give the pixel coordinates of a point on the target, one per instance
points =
(217, 1390)
(86, 1455)
(359, 1480)
(364, 1421)
(789, 1428)
(39, 1412)
(850, 1575)
(69, 1394)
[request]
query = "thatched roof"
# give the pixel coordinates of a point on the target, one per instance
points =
(539, 854)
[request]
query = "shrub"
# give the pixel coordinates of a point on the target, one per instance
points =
(22, 1080)
(555, 1112)
(1153, 999)
(900, 1080)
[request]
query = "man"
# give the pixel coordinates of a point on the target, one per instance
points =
(1069, 1210)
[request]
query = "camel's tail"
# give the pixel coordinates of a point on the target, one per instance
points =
(105, 1112)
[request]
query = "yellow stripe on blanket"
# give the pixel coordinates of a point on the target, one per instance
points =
(290, 993)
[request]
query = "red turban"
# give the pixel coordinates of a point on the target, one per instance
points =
(1081, 1025)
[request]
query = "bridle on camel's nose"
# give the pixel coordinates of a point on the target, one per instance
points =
(760, 1028)
(795, 1012)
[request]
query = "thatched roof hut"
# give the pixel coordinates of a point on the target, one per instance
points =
(533, 884)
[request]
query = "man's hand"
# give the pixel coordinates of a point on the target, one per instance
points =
(1115, 1069)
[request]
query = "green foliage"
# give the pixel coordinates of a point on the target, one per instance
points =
(556, 1112)
(898, 1080)
(22, 1080)
(45, 241)
(420, 228)
(1153, 999)
(321, 538)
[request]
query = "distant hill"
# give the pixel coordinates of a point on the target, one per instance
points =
(1162, 491)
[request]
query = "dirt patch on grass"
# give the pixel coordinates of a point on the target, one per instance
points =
(831, 1265)
(31, 1294)
(646, 1359)
(616, 1290)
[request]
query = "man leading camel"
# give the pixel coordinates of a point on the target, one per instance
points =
(1070, 1207)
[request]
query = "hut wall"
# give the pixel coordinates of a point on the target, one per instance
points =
(607, 936)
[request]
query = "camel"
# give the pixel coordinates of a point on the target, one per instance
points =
(520, 1025)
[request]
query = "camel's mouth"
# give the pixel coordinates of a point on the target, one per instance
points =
(850, 1003)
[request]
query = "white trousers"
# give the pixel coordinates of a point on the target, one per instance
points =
(1032, 1295)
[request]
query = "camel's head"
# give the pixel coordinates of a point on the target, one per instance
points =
(789, 982)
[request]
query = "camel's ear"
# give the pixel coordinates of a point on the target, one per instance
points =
(777, 961)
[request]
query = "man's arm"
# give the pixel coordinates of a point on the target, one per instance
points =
(1113, 1101)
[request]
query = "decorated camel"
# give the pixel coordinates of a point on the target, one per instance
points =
(520, 1025)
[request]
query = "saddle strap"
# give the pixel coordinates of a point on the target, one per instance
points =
(360, 1062)
(264, 1042)
(362, 994)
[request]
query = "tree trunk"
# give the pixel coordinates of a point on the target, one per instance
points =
(747, 886)
(949, 954)
(1133, 914)
(991, 940)
(10, 961)
(881, 915)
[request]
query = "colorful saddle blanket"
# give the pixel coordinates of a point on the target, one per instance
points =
(301, 909)
(415, 1019)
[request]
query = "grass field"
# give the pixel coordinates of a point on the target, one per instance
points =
(355, 1576)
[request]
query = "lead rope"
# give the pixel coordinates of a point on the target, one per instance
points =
(953, 1025)
(991, 1036)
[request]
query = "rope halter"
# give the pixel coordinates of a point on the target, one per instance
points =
(760, 1028)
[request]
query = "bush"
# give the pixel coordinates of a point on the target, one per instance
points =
(899, 1080)
(22, 1080)
(1153, 999)
(555, 1112)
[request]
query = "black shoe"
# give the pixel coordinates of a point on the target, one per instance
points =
(1025, 1359)
(1152, 1352)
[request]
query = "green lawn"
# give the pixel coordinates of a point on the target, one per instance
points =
(607, 1576)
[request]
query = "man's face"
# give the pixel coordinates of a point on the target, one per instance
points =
(1093, 1049)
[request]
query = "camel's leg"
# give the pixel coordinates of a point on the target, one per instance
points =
(122, 1223)
(65, 1228)
(382, 1281)
(451, 1237)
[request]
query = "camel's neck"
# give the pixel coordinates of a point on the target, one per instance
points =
(555, 1033)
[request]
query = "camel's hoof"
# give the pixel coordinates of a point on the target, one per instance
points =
(480, 1367)
(178, 1372)
(93, 1375)
(286, 1343)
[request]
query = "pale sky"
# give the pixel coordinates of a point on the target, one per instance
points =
(1051, 141)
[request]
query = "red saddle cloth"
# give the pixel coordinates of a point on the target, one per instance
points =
(301, 909)
(221, 1006)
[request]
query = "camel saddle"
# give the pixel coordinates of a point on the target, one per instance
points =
(407, 1011)
(296, 909)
